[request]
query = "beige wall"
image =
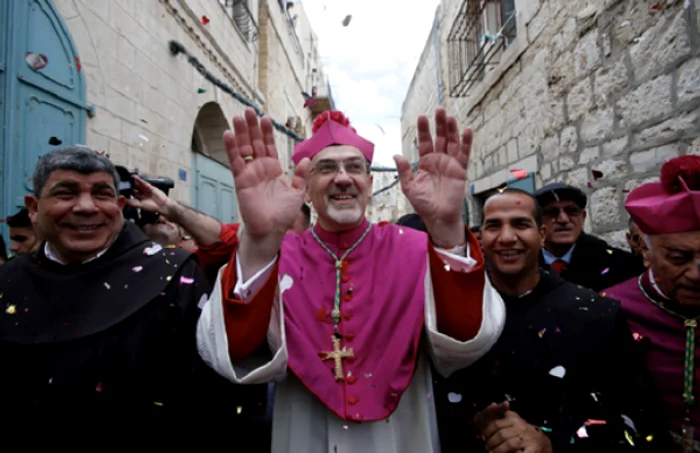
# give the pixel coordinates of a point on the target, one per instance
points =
(611, 86)
(140, 90)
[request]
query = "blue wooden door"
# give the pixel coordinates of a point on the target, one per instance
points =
(213, 191)
(38, 104)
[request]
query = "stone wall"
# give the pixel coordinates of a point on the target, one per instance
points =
(147, 100)
(603, 85)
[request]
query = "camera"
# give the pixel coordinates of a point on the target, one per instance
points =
(126, 189)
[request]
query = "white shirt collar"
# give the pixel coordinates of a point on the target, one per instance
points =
(656, 287)
(50, 255)
(549, 258)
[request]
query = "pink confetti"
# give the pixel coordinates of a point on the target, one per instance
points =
(595, 422)
(558, 330)
(36, 61)
(605, 271)
(98, 387)
(186, 281)
(137, 269)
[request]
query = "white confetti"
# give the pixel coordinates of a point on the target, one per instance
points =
(629, 422)
(447, 267)
(595, 397)
(137, 268)
(150, 251)
(143, 137)
(582, 432)
(285, 283)
(558, 371)
(106, 285)
(454, 397)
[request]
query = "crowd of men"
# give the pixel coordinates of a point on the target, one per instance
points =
(523, 334)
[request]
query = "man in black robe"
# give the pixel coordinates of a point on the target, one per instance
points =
(579, 257)
(98, 327)
(565, 375)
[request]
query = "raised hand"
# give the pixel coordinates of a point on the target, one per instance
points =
(269, 204)
(438, 188)
(149, 198)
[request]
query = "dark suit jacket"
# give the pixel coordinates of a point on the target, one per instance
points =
(597, 265)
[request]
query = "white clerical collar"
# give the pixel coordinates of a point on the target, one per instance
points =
(656, 287)
(50, 255)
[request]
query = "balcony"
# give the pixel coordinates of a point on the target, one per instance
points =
(321, 92)
(243, 18)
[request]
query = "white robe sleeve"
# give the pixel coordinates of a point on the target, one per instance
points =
(449, 354)
(212, 342)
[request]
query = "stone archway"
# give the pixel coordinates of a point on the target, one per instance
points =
(209, 127)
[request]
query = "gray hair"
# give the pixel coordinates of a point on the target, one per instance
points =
(76, 158)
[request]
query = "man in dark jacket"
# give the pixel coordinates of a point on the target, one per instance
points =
(578, 257)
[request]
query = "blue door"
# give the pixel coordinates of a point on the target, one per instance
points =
(213, 192)
(41, 107)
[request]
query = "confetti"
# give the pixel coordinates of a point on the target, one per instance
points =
(610, 252)
(629, 438)
(168, 278)
(205, 20)
(519, 174)
(400, 231)
(158, 404)
(447, 267)
(597, 174)
(347, 20)
(558, 330)
(106, 285)
(368, 375)
(345, 427)
(582, 433)
(589, 185)
(595, 397)
(143, 137)
(185, 280)
(11, 309)
(36, 61)
(239, 409)
(558, 371)
(454, 397)
(637, 336)
(78, 66)
(201, 91)
(98, 387)
(625, 23)
(591, 422)
(629, 422)
(605, 271)
(541, 332)
(150, 251)
(137, 269)
(53, 141)
(650, 437)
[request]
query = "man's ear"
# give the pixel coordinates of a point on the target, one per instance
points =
(543, 234)
(32, 204)
(121, 201)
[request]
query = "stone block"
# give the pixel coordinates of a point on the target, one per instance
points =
(117, 152)
(545, 171)
(568, 140)
(549, 148)
(588, 155)
(618, 238)
(615, 147)
(650, 100)
(612, 169)
(604, 206)
(664, 43)
(597, 125)
(538, 23)
(577, 178)
(580, 99)
(586, 54)
(688, 84)
(644, 161)
(527, 10)
(561, 74)
(609, 81)
(676, 127)
(566, 163)
(512, 148)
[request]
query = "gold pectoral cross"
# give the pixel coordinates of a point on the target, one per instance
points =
(337, 355)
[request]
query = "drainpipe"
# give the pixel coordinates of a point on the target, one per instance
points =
(436, 47)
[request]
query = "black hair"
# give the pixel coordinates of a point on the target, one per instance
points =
(76, 158)
(20, 219)
(536, 214)
(412, 221)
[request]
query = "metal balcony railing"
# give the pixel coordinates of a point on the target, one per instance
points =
(244, 19)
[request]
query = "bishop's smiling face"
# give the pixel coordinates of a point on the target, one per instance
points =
(340, 186)
(79, 215)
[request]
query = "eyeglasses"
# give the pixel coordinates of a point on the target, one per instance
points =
(352, 167)
(570, 211)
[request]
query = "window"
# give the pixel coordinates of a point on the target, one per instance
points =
(240, 12)
(479, 33)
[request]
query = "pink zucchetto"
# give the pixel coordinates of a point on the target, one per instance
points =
(332, 128)
(672, 205)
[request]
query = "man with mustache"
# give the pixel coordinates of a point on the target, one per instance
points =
(663, 304)
(579, 257)
(340, 310)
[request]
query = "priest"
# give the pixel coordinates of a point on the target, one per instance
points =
(338, 313)
(663, 304)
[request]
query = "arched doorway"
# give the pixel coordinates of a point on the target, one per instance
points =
(43, 107)
(212, 190)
